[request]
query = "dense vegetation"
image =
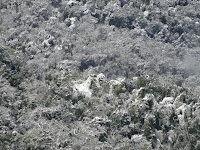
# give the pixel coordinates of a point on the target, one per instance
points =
(109, 74)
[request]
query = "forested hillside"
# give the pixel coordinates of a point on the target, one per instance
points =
(99, 74)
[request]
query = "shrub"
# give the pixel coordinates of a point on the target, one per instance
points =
(142, 93)
(163, 20)
(79, 113)
(103, 137)
(63, 144)
(147, 2)
(141, 82)
(119, 89)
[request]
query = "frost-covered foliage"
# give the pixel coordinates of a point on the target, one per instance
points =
(99, 74)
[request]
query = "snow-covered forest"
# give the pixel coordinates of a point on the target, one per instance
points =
(99, 74)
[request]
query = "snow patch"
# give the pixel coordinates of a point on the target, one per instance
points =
(137, 138)
(100, 120)
(146, 13)
(58, 48)
(72, 26)
(84, 88)
(183, 111)
(100, 77)
(118, 81)
(167, 100)
(71, 2)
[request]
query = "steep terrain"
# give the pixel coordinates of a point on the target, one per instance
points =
(109, 74)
